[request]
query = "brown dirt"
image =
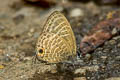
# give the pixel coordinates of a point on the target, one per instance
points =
(21, 25)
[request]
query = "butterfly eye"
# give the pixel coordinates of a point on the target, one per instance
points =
(40, 51)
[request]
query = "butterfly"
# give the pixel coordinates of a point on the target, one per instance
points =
(57, 42)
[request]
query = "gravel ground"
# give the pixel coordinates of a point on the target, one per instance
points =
(21, 25)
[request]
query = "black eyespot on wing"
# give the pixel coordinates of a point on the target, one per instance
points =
(41, 51)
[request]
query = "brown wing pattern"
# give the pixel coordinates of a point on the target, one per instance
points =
(57, 42)
(58, 24)
(56, 48)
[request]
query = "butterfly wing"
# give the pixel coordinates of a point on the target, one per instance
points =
(58, 24)
(56, 49)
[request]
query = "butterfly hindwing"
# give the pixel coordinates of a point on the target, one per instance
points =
(58, 24)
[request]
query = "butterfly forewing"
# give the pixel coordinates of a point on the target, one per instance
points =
(58, 24)
(57, 42)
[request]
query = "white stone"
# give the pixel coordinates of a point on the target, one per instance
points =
(76, 12)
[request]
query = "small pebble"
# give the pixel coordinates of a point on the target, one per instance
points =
(79, 78)
(106, 50)
(36, 35)
(104, 57)
(7, 58)
(95, 61)
(76, 12)
(116, 38)
(103, 67)
(118, 45)
(80, 71)
(2, 28)
(112, 42)
(80, 61)
(87, 56)
(114, 31)
(32, 30)
(93, 68)
(118, 58)
(30, 34)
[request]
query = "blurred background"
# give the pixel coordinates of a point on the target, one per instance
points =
(21, 22)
